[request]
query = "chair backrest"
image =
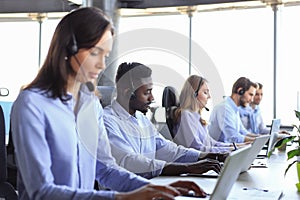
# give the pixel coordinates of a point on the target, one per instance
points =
(107, 94)
(12, 169)
(3, 172)
(158, 119)
(170, 101)
(7, 191)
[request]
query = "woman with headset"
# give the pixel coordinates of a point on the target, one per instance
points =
(60, 141)
(191, 129)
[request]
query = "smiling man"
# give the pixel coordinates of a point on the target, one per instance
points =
(225, 123)
(135, 143)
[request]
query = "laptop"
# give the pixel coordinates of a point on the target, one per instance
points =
(228, 174)
(275, 128)
(256, 147)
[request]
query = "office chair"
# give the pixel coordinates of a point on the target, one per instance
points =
(158, 119)
(12, 169)
(7, 191)
(170, 101)
(107, 94)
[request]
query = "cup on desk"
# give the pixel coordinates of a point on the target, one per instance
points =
(282, 148)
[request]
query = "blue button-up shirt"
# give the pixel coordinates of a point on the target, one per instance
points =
(138, 146)
(191, 133)
(57, 150)
(252, 120)
(225, 123)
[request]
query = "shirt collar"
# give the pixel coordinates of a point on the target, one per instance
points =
(231, 103)
(256, 108)
(119, 111)
(196, 114)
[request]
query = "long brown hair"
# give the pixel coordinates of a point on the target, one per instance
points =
(84, 25)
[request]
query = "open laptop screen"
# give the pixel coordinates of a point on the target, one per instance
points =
(275, 128)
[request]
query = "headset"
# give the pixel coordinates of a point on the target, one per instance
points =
(241, 91)
(73, 48)
(133, 95)
(198, 88)
(242, 83)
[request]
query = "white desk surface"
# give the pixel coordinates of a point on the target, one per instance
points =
(271, 178)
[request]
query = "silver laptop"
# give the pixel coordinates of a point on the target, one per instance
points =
(229, 173)
(275, 128)
(274, 134)
(256, 147)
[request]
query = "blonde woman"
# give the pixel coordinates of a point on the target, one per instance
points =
(191, 129)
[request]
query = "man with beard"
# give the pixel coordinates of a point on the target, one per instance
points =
(251, 115)
(225, 123)
(135, 143)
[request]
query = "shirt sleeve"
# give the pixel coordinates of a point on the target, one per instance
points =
(34, 157)
(219, 147)
(108, 173)
(171, 152)
(126, 156)
(118, 178)
(230, 123)
(191, 133)
(262, 128)
(242, 128)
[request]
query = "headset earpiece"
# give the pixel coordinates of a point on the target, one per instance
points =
(241, 91)
(198, 88)
(196, 94)
(73, 48)
(133, 95)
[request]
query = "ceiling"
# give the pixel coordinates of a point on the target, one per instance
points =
(30, 6)
(18, 9)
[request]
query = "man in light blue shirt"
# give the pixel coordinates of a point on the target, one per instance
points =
(251, 115)
(135, 143)
(225, 123)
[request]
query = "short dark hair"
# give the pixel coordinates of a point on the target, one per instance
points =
(243, 83)
(129, 73)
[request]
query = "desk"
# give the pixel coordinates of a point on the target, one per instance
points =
(271, 178)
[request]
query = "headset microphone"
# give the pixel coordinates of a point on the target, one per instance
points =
(206, 108)
(203, 105)
(88, 84)
(196, 93)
